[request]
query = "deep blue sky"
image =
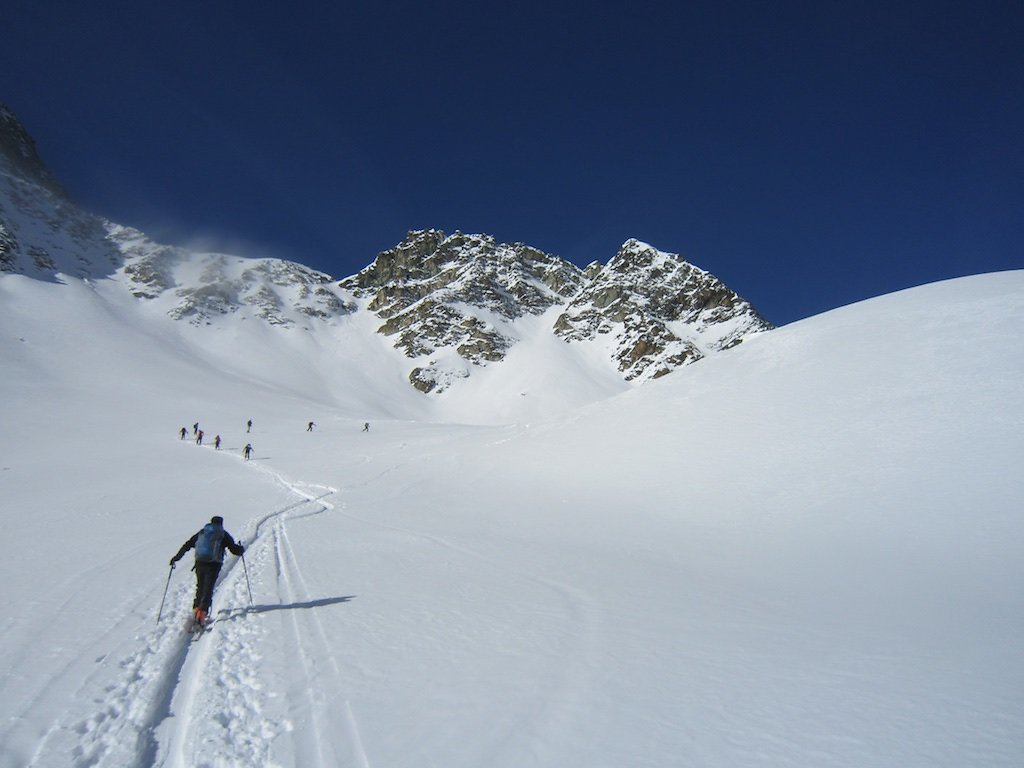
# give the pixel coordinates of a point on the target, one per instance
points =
(809, 154)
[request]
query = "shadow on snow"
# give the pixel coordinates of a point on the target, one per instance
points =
(237, 613)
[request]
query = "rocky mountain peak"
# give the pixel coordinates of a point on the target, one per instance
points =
(438, 293)
(416, 257)
(18, 154)
(474, 267)
(461, 292)
(657, 311)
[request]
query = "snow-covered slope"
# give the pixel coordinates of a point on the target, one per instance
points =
(806, 550)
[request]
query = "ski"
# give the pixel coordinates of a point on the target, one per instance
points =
(196, 627)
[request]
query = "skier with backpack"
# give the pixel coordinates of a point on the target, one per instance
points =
(209, 543)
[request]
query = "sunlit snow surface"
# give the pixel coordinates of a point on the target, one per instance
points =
(806, 551)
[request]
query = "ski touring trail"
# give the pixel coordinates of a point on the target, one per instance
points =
(677, 575)
(182, 698)
(229, 715)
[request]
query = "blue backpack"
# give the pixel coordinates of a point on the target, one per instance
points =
(208, 545)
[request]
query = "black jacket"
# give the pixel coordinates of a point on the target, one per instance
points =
(226, 542)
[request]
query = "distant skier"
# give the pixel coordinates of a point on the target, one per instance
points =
(199, 437)
(366, 427)
(248, 426)
(309, 427)
(209, 543)
(247, 451)
(216, 443)
(195, 428)
(183, 433)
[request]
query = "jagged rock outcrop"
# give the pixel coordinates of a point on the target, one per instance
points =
(434, 378)
(464, 293)
(8, 249)
(662, 311)
(459, 292)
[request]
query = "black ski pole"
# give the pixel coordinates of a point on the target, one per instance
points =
(161, 611)
(247, 585)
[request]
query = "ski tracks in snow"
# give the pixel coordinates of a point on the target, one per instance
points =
(312, 694)
(257, 688)
(264, 686)
(182, 702)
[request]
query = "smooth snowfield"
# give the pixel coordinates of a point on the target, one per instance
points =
(807, 551)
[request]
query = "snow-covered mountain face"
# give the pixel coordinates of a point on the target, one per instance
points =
(438, 293)
(202, 287)
(660, 311)
(18, 154)
(448, 306)
(43, 235)
(648, 310)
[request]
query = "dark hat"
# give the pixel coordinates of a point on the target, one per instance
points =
(217, 520)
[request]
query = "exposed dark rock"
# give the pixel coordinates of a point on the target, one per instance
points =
(466, 292)
(8, 250)
(18, 153)
(663, 310)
